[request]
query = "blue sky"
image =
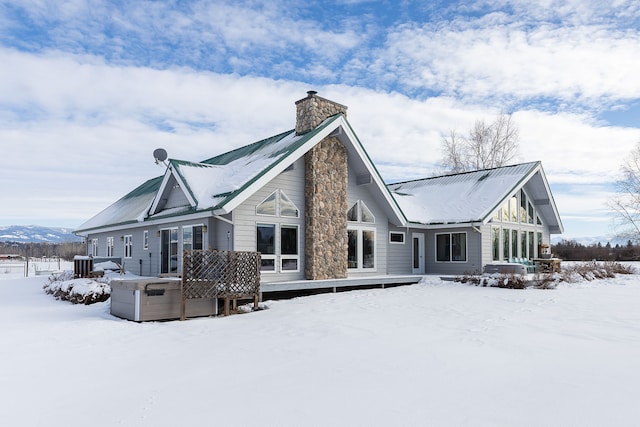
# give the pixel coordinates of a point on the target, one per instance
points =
(88, 89)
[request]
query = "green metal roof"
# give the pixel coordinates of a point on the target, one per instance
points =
(264, 155)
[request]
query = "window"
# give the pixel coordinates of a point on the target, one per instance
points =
(361, 237)
(278, 204)
(286, 249)
(169, 250)
(128, 246)
(531, 245)
(396, 237)
(513, 209)
(359, 212)
(266, 246)
(523, 207)
(192, 237)
(110, 245)
(287, 207)
(523, 244)
(289, 248)
(451, 247)
(495, 239)
(505, 243)
(361, 248)
(514, 243)
(94, 247)
(145, 240)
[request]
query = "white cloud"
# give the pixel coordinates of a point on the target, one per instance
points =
(583, 65)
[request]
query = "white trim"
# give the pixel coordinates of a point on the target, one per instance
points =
(402, 233)
(154, 222)
(277, 255)
(129, 238)
(451, 260)
(421, 253)
(170, 172)
(136, 305)
(360, 228)
(279, 167)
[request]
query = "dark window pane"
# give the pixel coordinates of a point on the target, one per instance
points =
(289, 240)
(396, 237)
(197, 238)
(443, 249)
(266, 235)
(352, 252)
(368, 249)
(289, 264)
(459, 247)
(268, 265)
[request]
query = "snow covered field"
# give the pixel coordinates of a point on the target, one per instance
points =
(436, 353)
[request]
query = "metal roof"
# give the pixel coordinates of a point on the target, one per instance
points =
(474, 196)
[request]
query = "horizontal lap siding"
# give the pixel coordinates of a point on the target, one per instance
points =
(245, 218)
(474, 248)
(399, 256)
(363, 192)
(150, 257)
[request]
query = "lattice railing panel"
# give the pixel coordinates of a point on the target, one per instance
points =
(213, 274)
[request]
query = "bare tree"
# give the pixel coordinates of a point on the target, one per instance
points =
(488, 146)
(626, 204)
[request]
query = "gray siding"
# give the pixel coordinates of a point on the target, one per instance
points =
(147, 261)
(245, 218)
(399, 256)
(473, 264)
(362, 192)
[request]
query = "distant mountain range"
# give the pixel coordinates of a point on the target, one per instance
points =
(36, 234)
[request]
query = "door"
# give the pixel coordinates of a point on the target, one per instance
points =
(418, 253)
(169, 251)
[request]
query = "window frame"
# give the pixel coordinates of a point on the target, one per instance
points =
(94, 247)
(110, 246)
(451, 248)
(397, 233)
(278, 196)
(128, 246)
(360, 231)
(278, 259)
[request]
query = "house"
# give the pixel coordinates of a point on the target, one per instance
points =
(311, 201)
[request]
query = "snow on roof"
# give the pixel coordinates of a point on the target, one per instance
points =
(211, 184)
(130, 208)
(459, 198)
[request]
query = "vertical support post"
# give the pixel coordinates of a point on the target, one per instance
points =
(186, 272)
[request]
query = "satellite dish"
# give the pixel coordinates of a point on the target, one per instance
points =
(160, 155)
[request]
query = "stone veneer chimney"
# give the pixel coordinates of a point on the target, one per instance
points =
(326, 175)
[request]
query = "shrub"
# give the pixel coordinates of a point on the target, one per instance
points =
(570, 274)
(78, 291)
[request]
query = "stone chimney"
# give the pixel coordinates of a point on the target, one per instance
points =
(326, 177)
(313, 110)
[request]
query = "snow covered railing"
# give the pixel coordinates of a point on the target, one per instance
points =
(88, 266)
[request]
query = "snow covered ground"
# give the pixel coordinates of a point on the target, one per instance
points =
(436, 353)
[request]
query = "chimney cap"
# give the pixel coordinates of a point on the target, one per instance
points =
(311, 92)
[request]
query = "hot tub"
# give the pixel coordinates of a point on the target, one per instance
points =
(155, 299)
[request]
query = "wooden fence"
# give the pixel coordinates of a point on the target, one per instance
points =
(220, 274)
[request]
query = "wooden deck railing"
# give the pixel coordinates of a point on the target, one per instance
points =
(220, 274)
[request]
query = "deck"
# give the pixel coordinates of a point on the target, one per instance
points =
(336, 285)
